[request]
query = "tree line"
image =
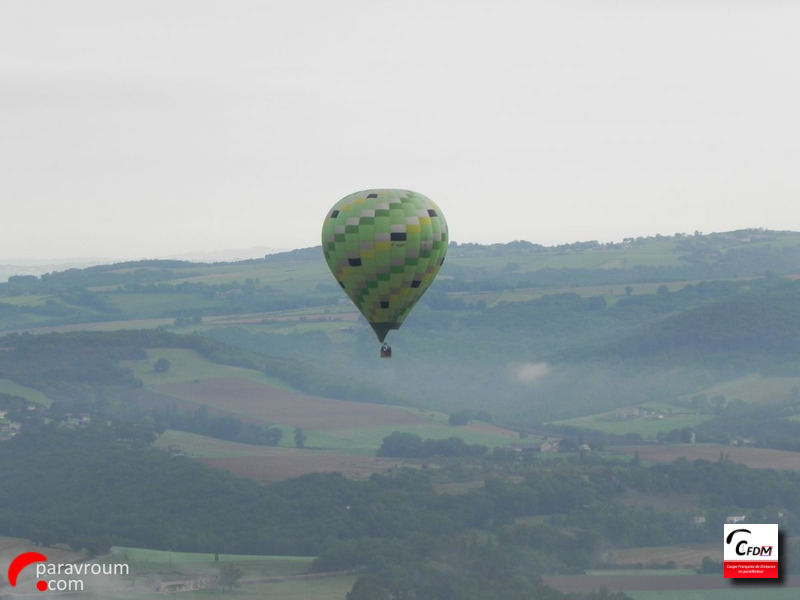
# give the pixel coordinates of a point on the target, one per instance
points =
(143, 496)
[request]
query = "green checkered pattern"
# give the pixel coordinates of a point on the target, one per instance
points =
(384, 247)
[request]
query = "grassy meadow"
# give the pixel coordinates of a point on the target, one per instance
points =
(189, 366)
(659, 417)
(275, 577)
(31, 395)
(757, 389)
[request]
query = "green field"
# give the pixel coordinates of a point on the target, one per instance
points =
(276, 577)
(648, 426)
(359, 441)
(202, 447)
(31, 395)
(303, 326)
(148, 305)
(654, 253)
(372, 437)
(612, 293)
(188, 365)
(333, 309)
(291, 276)
(755, 389)
(267, 566)
(26, 300)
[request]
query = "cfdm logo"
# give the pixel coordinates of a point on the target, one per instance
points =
(751, 550)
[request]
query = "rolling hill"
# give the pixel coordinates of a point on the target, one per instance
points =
(126, 382)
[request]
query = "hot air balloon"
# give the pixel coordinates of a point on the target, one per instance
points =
(384, 248)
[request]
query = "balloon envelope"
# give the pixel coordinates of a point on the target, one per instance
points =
(384, 247)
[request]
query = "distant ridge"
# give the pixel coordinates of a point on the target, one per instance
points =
(233, 255)
(40, 266)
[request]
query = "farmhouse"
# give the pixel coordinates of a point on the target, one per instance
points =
(626, 413)
(11, 428)
(735, 518)
(175, 586)
(175, 450)
(528, 448)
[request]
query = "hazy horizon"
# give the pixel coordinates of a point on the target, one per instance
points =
(149, 129)
(39, 266)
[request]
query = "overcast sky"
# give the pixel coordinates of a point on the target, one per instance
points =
(151, 128)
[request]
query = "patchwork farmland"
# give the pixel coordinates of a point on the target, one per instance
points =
(341, 435)
(289, 408)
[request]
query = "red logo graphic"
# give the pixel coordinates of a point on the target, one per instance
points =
(22, 561)
(751, 552)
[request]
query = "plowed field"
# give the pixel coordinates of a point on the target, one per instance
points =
(268, 404)
(757, 458)
(285, 463)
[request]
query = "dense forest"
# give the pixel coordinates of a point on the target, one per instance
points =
(92, 488)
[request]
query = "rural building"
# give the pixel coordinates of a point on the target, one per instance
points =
(11, 428)
(176, 586)
(626, 413)
(79, 420)
(735, 518)
(528, 448)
